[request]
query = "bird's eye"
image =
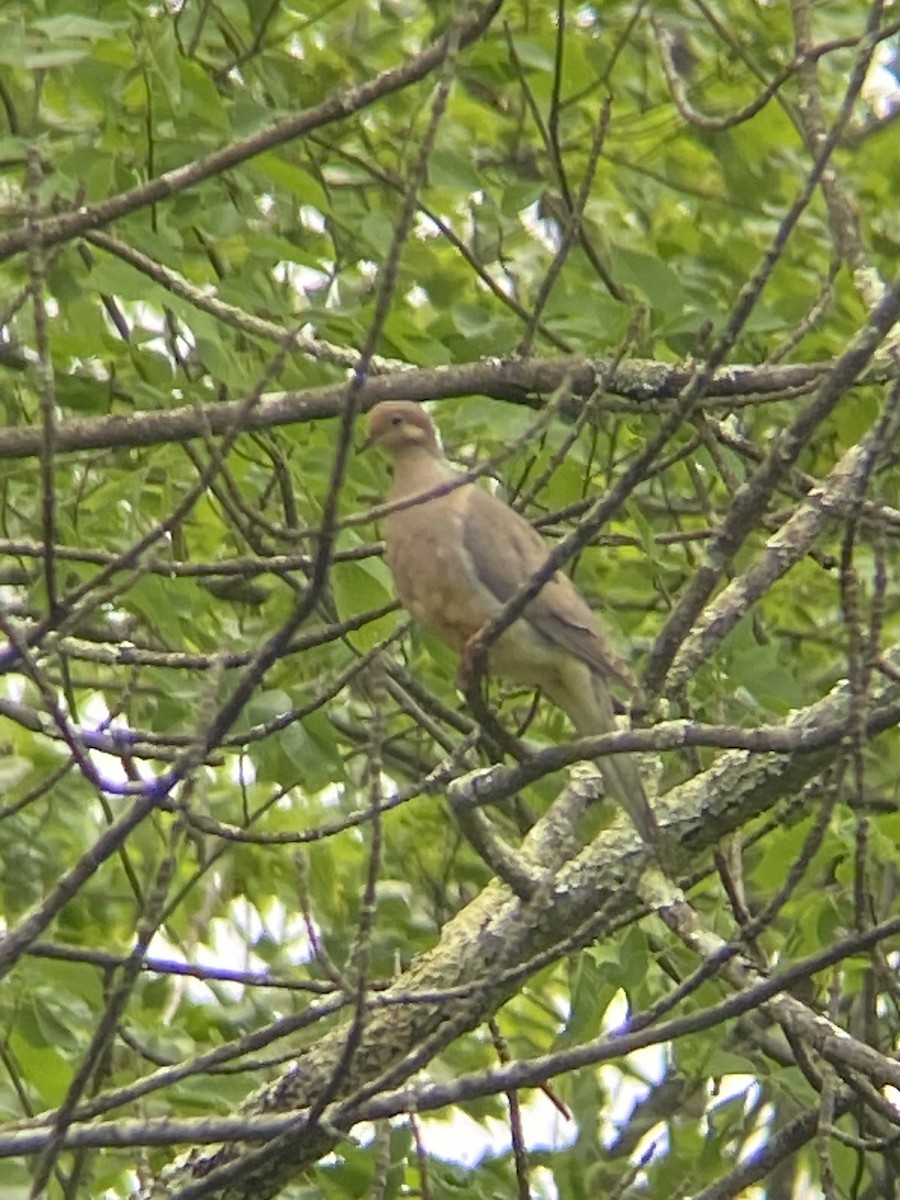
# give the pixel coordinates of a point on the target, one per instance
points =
(398, 420)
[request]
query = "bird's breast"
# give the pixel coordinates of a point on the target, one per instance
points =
(433, 574)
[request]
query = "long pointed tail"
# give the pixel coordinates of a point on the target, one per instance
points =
(620, 773)
(585, 696)
(623, 782)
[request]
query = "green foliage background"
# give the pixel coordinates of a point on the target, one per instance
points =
(160, 590)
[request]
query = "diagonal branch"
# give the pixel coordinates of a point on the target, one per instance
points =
(483, 948)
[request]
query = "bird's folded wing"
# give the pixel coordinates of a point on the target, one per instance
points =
(505, 551)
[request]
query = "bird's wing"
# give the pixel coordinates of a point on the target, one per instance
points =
(505, 551)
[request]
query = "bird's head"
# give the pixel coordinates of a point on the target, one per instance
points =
(398, 425)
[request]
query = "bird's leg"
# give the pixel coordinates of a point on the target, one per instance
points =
(469, 677)
(472, 663)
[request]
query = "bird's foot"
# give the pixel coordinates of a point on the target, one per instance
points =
(472, 663)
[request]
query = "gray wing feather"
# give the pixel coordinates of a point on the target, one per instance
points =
(505, 552)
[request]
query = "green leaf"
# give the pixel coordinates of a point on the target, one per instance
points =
(73, 25)
(293, 179)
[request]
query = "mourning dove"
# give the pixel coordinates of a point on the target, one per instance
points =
(460, 554)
